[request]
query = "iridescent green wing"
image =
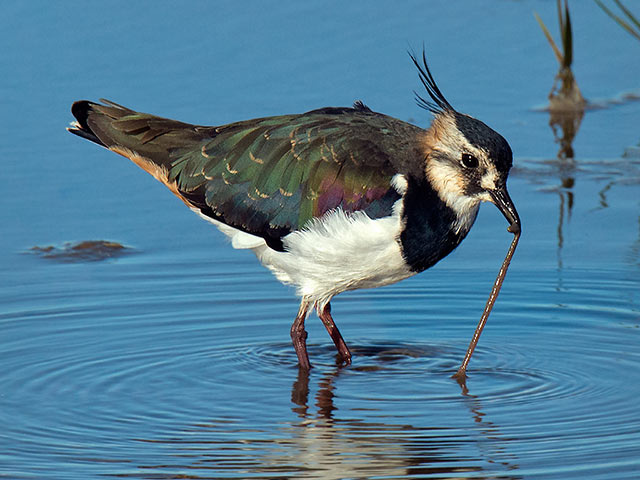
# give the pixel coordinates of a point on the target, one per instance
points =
(271, 176)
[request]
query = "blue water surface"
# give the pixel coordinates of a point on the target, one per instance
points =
(170, 358)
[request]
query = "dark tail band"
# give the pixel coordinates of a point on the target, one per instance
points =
(80, 127)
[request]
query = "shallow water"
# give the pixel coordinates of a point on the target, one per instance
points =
(170, 358)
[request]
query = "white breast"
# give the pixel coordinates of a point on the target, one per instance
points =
(340, 252)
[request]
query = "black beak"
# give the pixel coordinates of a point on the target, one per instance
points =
(502, 200)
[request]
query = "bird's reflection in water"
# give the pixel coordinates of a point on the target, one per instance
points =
(324, 396)
(333, 447)
(413, 432)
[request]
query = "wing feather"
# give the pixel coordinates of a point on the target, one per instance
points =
(271, 176)
(268, 176)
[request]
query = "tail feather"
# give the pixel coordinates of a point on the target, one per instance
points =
(80, 127)
(132, 133)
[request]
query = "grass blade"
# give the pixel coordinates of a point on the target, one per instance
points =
(619, 20)
(547, 34)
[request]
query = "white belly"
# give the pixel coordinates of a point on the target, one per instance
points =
(332, 254)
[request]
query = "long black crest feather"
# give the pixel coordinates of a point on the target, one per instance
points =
(439, 103)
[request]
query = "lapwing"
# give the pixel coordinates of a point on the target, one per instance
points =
(331, 200)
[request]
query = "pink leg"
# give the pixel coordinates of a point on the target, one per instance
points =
(334, 333)
(299, 337)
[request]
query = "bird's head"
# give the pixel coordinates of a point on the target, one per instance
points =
(466, 161)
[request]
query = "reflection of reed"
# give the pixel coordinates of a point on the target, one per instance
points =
(565, 126)
(566, 110)
(567, 107)
(568, 124)
(604, 203)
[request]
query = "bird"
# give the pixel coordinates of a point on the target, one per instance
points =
(332, 200)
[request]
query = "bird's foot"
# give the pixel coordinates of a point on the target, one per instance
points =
(461, 377)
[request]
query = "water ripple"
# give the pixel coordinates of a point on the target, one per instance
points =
(211, 387)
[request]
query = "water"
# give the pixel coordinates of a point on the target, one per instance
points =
(170, 358)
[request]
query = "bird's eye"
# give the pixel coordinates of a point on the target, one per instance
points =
(469, 161)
